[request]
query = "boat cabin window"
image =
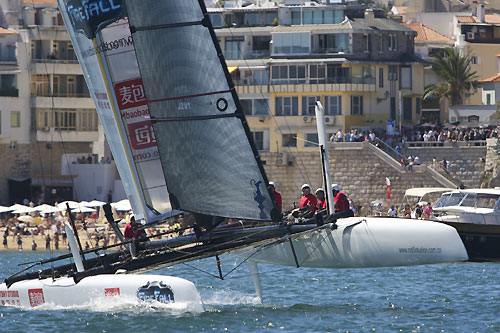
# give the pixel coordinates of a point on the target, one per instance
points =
(486, 201)
(449, 199)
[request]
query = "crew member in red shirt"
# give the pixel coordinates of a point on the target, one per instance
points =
(132, 233)
(320, 195)
(339, 199)
(308, 200)
(277, 196)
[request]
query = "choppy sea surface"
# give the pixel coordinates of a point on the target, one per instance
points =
(460, 297)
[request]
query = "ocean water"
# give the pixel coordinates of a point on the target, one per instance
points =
(459, 297)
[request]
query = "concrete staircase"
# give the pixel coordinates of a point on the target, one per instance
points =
(358, 167)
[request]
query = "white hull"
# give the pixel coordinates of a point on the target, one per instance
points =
(368, 242)
(153, 290)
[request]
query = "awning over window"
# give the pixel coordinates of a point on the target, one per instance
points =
(52, 180)
(231, 69)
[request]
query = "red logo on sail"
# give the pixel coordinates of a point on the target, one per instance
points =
(130, 94)
(36, 297)
(141, 135)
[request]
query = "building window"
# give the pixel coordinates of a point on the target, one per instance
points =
(474, 60)
(380, 44)
(289, 140)
(392, 74)
(261, 139)
(418, 105)
(356, 105)
(407, 108)
(294, 74)
(233, 48)
(405, 82)
(366, 43)
(333, 105)
(380, 77)
(393, 42)
(255, 107)
(317, 74)
(246, 106)
(309, 105)
(287, 106)
(311, 140)
(488, 99)
(65, 120)
(291, 43)
(15, 119)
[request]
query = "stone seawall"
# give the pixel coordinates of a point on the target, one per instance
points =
(466, 164)
(492, 167)
(359, 170)
(29, 160)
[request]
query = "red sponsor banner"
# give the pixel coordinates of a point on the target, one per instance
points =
(141, 135)
(130, 94)
(111, 292)
(36, 297)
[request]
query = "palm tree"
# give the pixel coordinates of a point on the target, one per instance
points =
(458, 79)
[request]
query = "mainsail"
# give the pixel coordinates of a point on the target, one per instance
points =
(169, 107)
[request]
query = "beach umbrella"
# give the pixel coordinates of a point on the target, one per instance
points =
(44, 207)
(24, 210)
(4, 209)
(422, 203)
(122, 205)
(83, 209)
(51, 210)
(95, 203)
(17, 206)
(26, 218)
(72, 204)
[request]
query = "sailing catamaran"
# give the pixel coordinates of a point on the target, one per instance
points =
(181, 143)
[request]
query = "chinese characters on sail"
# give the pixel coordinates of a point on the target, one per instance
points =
(135, 115)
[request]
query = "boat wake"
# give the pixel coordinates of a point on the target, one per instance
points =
(124, 304)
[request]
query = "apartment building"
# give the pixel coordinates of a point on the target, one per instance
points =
(285, 58)
(46, 110)
(479, 35)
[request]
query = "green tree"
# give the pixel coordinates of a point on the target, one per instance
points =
(458, 79)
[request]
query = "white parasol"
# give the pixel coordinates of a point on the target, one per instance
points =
(95, 203)
(4, 209)
(26, 218)
(24, 210)
(122, 205)
(83, 210)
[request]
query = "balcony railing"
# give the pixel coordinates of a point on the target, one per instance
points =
(60, 94)
(55, 61)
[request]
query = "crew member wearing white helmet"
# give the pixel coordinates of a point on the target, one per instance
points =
(308, 200)
(277, 196)
(339, 199)
(320, 195)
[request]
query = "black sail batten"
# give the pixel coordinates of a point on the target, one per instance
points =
(275, 213)
(212, 98)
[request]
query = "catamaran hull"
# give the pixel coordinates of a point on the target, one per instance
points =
(152, 290)
(367, 242)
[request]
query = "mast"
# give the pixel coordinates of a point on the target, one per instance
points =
(320, 123)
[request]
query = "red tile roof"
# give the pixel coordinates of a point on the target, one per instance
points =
(493, 78)
(4, 31)
(493, 18)
(426, 34)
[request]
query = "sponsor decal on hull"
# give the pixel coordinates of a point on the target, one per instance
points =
(111, 292)
(36, 297)
(9, 297)
(156, 291)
